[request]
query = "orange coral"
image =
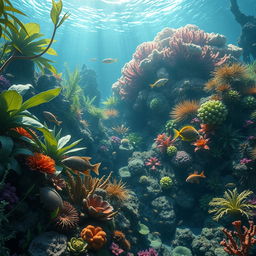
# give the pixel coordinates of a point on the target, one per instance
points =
(210, 85)
(23, 132)
(184, 110)
(110, 113)
(201, 144)
(94, 236)
(118, 190)
(42, 163)
(119, 238)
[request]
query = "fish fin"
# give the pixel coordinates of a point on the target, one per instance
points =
(95, 168)
(176, 134)
(86, 172)
(86, 158)
(151, 85)
(202, 174)
(116, 60)
(58, 123)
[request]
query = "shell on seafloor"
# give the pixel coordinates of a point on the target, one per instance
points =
(50, 198)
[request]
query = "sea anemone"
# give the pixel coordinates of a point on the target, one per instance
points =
(117, 189)
(41, 162)
(228, 74)
(97, 208)
(67, 218)
(110, 113)
(184, 110)
(210, 85)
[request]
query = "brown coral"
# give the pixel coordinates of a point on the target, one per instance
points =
(120, 239)
(97, 208)
(184, 110)
(94, 236)
(41, 162)
(67, 217)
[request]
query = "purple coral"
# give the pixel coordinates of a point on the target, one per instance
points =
(8, 194)
(115, 249)
(4, 83)
(149, 252)
(115, 140)
(182, 159)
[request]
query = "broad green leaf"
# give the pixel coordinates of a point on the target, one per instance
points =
(74, 150)
(12, 9)
(59, 169)
(65, 149)
(32, 28)
(10, 101)
(20, 88)
(6, 147)
(50, 51)
(25, 121)
(18, 21)
(1, 8)
(63, 141)
(65, 17)
(40, 98)
(54, 14)
(22, 151)
(14, 165)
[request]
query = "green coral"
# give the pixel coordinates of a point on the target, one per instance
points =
(144, 179)
(249, 102)
(232, 203)
(232, 96)
(77, 245)
(166, 182)
(135, 140)
(156, 105)
(212, 112)
(181, 251)
(253, 116)
(171, 151)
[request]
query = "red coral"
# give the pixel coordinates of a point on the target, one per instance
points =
(239, 242)
(153, 162)
(41, 162)
(163, 142)
(144, 49)
(23, 132)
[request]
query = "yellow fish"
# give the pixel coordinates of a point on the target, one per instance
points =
(160, 82)
(187, 133)
(109, 60)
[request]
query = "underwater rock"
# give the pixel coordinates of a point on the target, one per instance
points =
(184, 200)
(183, 237)
(46, 82)
(48, 244)
(166, 218)
(50, 198)
(182, 159)
(136, 167)
(162, 73)
(181, 251)
(207, 242)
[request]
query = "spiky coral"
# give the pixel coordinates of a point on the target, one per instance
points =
(229, 74)
(184, 110)
(118, 190)
(67, 217)
(94, 236)
(110, 113)
(79, 188)
(153, 163)
(120, 129)
(163, 142)
(231, 203)
(99, 209)
(239, 242)
(41, 162)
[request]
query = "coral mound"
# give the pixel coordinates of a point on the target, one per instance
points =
(94, 236)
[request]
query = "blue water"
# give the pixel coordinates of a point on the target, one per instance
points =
(114, 28)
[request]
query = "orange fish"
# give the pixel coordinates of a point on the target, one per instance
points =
(81, 164)
(201, 143)
(195, 177)
(51, 117)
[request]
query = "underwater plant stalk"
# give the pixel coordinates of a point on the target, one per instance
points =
(17, 57)
(18, 204)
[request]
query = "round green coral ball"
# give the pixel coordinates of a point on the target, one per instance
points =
(166, 182)
(212, 112)
(171, 151)
(181, 251)
(232, 96)
(156, 105)
(249, 102)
